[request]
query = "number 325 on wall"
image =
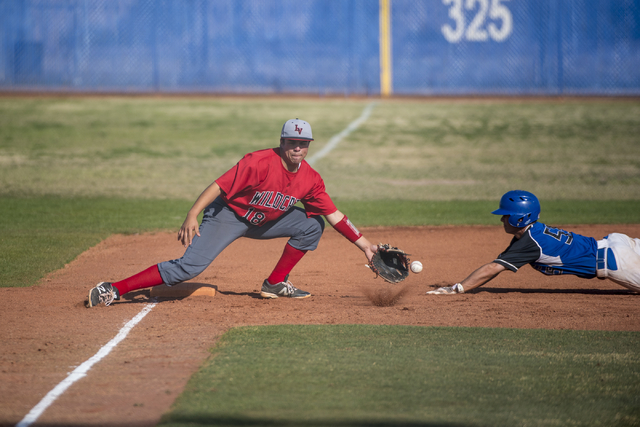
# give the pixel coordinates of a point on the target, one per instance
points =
(498, 28)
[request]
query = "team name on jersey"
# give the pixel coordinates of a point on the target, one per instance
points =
(273, 200)
(268, 199)
(549, 271)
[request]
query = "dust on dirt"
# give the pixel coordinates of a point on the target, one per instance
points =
(385, 295)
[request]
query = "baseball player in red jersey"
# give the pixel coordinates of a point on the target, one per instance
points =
(254, 199)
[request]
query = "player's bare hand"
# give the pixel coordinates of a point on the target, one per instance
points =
(189, 229)
(370, 250)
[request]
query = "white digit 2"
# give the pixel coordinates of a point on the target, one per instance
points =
(475, 33)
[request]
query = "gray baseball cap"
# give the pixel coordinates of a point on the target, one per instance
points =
(296, 129)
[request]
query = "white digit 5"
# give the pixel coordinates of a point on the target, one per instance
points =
(501, 12)
(453, 35)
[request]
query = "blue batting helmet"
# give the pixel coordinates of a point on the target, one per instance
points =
(522, 207)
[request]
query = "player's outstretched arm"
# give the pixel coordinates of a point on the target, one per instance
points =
(341, 223)
(190, 226)
(478, 278)
(482, 275)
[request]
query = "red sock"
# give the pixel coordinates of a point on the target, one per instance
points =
(144, 279)
(289, 259)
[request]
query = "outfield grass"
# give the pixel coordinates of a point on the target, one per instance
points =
(144, 148)
(416, 376)
(172, 148)
(478, 150)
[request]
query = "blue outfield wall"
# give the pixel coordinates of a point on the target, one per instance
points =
(516, 47)
(438, 47)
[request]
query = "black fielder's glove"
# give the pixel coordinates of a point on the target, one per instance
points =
(390, 263)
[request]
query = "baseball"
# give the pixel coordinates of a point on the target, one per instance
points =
(416, 266)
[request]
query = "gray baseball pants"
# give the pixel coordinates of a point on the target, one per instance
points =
(221, 226)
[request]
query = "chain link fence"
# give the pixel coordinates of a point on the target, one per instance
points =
(546, 47)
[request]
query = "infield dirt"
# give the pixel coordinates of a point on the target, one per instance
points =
(47, 331)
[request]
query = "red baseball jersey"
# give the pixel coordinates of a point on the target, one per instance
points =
(260, 189)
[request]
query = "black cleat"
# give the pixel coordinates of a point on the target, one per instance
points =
(105, 293)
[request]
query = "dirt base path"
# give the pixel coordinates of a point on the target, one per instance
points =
(47, 331)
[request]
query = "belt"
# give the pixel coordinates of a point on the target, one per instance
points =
(605, 259)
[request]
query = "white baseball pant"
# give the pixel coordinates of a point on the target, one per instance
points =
(618, 259)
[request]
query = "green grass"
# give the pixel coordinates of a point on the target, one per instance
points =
(417, 376)
(172, 148)
(150, 148)
(470, 212)
(40, 235)
(477, 150)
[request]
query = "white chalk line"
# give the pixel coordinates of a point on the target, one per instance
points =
(82, 370)
(335, 140)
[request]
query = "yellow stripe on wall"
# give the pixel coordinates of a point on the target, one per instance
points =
(385, 48)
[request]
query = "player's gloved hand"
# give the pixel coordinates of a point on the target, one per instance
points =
(390, 263)
(455, 289)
